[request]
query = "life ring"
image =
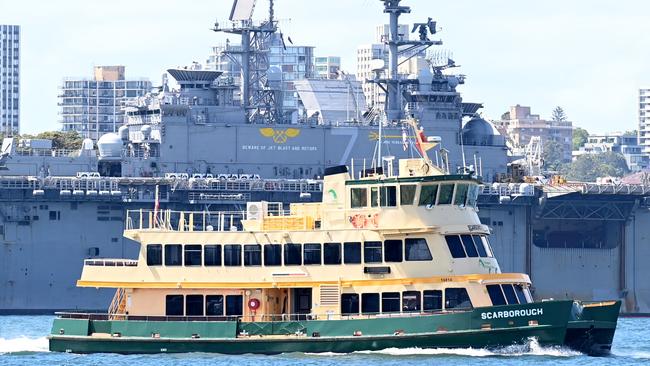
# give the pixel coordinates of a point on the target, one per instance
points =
(254, 304)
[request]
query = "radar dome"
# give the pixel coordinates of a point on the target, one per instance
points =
(110, 146)
(478, 131)
(87, 144)
(123, 132)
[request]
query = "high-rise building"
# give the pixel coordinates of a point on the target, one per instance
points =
(644, 119)
(10, 79)
(327, 67)
(95, 107)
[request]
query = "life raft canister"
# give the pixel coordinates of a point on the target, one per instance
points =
(254, 304)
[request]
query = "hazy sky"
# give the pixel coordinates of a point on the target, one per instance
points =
(589, 56)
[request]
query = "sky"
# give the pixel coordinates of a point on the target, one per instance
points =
(588, 56)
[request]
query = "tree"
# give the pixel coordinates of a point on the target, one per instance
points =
(559, 115)
(588, 167)
(505, 116)
(580, 136)
(68, 140)
(553, 155)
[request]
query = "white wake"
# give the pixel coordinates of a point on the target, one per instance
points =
(23, 344)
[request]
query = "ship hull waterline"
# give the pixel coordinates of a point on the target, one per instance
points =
(559, 324)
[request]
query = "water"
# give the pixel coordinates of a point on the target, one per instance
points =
(23, 342)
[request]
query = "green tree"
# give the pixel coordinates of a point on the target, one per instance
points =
(553, 155)
(558, 114)
(580, 136)
(70, 140)
(588, 167)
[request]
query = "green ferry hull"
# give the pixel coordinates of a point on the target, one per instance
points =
(589, 330)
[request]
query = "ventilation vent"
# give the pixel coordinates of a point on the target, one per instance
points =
(329, 295)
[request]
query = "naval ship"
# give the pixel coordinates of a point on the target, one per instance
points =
(207, 144)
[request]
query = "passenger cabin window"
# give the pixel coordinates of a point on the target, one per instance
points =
(212, 255)
(417, 250)
(372, 252)
(192, 255)
(214, 305)
(173, 255)
(428, 195)
(311, 254)
(332, 253)
(390, 302)
(154, 255)
(496, 295)
(272, 255)
(457, 298)
(370, 303)
(349, 304)
(352, 253)
(432, 300)
(393, 250)
(358, 197)
(232, 255)
(407, 194)
(468, 244)
(234, 305)
(388, 196)
(252, 255)
(374, 196)
(461, 194)
(292, 255)
(194, 305)
(410, 301)
(455, 246)
(174, 305)
(446, 194)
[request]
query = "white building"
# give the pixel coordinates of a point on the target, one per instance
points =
(327, 67)
(644, 119)
(10, 79)
(625, 144)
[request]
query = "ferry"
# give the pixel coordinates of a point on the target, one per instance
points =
(386, 260)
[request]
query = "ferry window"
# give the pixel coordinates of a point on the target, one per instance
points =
(446, 193)
(194, 305)
(468, 243)
(234, 305)
(496, 295)
(173, 254)
(411, 301)
(457, 298)
(369, 303)
(388, 196)
(214, 305)
(486, 244)
(174, 305)
(349, 304)
(212, 255)
(455, 246)
(417, 250)
(358, 197)
(252, 255)
(332, 253)
(154, 254)
(472, 195)
(192, 255)
(311, 253)
(510, 294)
(393, 250)
(407, 194)
(374, 196)
(372, 252)
(478, 243)
(232, 255)
(292, 254)
(432, 300)
(461, 194)
(519, 290)
(428, 195)
(272, 255)
(351, 253)
(390, 302)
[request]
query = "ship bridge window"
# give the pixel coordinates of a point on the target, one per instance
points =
(174, 305)
(388, 196)
(472, 195)
(455, 246)
(252, 255)
(407, 194)
(272, 255)
(510, 294)
(232, 255)
(192, 255)
(212, 255)
(292, 255)
(372, 252)
(332, 253)
(446, 194)
(523, 294)
(461, 194)
(432, 300)
(352, 253)
(374, 196)
(411, 301)
(478, 243)
(358, 197)
(154, 254)
(349, 304)
(393, 250)
(173, 254)
(194, 305)
(457, 298)
(234, 305)
(311, 253)
(468, 243)
(496, 295)
(370, 303)
(214, 305)
(417, 250)
(428, 195)
(390, 302)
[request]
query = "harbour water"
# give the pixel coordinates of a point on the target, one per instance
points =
(23, 342)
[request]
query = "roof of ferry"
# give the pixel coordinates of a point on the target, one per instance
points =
(428, 178)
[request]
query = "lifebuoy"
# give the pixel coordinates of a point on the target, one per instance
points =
(254, 304)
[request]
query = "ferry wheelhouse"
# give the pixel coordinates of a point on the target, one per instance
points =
(385, 260)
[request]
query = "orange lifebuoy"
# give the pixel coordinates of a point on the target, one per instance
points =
(254, 304)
